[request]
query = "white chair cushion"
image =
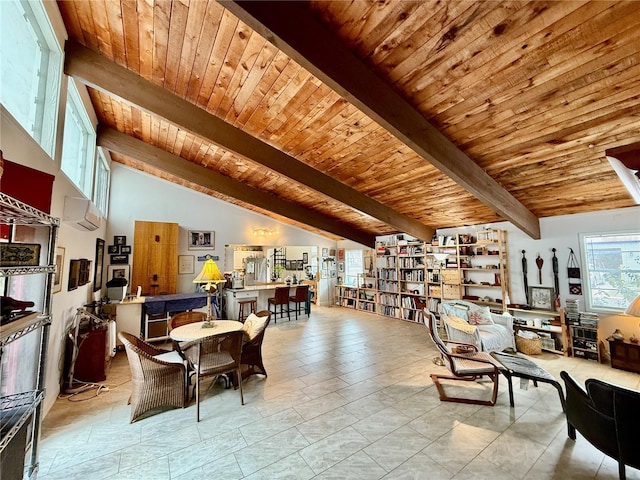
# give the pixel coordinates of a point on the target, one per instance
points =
(253, 326)
(170, 357)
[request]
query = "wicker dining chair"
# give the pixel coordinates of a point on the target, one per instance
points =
(214, 356)
(159, 378)
(252, 350)
(184, 318)
(467, 367)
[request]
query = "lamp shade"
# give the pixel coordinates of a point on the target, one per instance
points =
(634, 307)
(210, 274)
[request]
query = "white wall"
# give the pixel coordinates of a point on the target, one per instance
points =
(138, 196)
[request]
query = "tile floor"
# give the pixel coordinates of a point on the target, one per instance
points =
(348, 397)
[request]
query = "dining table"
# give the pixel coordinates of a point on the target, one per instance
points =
(198, 331)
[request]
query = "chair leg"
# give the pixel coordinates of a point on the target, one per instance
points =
(622, 474)
(571, 431)
(445, 398)
(239, 375)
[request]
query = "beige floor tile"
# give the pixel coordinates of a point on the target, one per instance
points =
(348, 396)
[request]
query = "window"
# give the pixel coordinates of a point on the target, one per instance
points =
(79, 143)
(613, 270)
(30, 69)
(101, 190)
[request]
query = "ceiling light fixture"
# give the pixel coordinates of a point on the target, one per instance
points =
(264, 232)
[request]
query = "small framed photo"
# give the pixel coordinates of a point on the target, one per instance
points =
(186, 264)
(57, 277)
(299, 264)
(201, 240)
(118, 271)
(325, 252)
(113, 249)
(341, 254)
(341, 267)
(305, 258)
(542, 298)
(97, 274)
(125, 249)
(119, 240)
(119, 259)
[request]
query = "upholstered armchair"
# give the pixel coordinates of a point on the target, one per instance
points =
(606, 415)
(475, 324)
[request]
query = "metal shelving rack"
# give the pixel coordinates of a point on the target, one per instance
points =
(16, 409)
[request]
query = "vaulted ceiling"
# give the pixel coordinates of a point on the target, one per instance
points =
(361, 118)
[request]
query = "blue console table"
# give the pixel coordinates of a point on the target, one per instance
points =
(158, 309)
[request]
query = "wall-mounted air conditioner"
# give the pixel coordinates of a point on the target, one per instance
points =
(81, 213)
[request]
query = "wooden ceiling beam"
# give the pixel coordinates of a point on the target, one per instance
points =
(292, 28)
(124, 144)
(99, 72)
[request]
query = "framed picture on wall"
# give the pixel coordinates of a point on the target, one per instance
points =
(305, 258)
(119, 259)
(97, 274)
(113, 249)
(201, 240)
(57, 278)
(186, 264)
(341, 254)
(125, 249)
(118, 271)
(542, 298)
(119, 240)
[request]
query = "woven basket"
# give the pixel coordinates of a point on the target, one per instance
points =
(529, 346)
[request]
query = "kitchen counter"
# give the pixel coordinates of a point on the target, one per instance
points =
(261, 292)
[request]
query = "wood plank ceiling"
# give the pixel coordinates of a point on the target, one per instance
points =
(533, 92)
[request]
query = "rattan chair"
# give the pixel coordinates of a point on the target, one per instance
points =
(216, 355)
(300, 298)
(159, 378)
(252, 351)
(467, 367)
(281, 297)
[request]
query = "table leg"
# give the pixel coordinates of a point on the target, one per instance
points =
(198, 386)
(511, 402)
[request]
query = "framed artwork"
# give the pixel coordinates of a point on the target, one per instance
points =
(341, 267)
(113, 249)
(186, 264)
(125, 249)
(201, 240)
(19, 254)
(119, 240)
(118, 271)
(57, 277)
(85, 269)
(119, 259)
(325, 252)
(542, 298)
(332, 252)
(341, 254)
(74, 274)
(305, 258)
(97, 274)
(299, 264)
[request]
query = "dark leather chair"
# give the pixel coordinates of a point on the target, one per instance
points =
(301, 299)
(606, 415)
(281, 297)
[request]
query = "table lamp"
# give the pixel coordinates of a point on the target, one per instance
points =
(210, 276)
(634, 307)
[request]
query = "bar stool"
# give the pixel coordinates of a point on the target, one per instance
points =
(251, 305)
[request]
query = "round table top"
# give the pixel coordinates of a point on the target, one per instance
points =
(194, 331)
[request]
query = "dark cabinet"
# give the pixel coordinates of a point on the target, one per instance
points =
(625, 355)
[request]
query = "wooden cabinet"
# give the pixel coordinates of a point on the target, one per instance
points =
(155, 257)
(625, 355)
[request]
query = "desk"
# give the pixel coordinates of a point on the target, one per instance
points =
(521, 367)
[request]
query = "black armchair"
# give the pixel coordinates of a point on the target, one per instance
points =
(607, 416)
